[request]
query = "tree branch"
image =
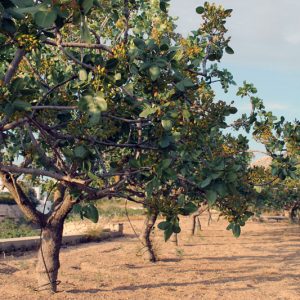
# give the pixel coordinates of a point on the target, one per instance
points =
(37, 172)
(12, 68)
(79, 45)
(13, 124)
(21, 199)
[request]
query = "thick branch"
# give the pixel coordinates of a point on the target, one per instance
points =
(21, 199)
(13, 124)
(37, 172)
(12, 68)
(58, 135)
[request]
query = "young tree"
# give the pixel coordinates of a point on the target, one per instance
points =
(278, 188)
(104, 99)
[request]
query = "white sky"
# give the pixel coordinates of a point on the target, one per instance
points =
(264, 32)
(266, 40)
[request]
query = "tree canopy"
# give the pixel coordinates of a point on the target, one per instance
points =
(105, 99)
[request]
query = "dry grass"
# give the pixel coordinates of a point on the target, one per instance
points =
(263, 264)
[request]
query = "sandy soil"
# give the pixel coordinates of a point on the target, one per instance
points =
(264, 263)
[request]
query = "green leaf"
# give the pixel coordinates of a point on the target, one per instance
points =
(14, 14)
(164, 47)
(91, 212)
(8, 25)
(236, 230)
(111, 64)
(188, 83)
(229, 50)
(148, 111)
(87, 5)
(45, 18)
(231, 177)
(100, 101)
(93, 176)
(81, 152)
(20, 105)
(164, 225)
(76, 209)
(94, 118)
(163, 5)
(229, 227)
(28, 9)
(176, 228)
(229, 11)
(206, 182)
(221, 189)
(180, 86)
(185, 83)
(189, 208)
(168, 232)
(165, 141)
(82, 74)
(186, 114)
(118, 76)
(85, 33)
(134, 163)
(211, 197)
(233, 110)
(23, 3)
(154, 73)
(200, 10)
(181, 199)
(166, 163)
(274, 171)
(139, 43)
(166, 124)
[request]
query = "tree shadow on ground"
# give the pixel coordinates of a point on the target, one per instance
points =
(264, 279)
(7, 270)
(89, 291)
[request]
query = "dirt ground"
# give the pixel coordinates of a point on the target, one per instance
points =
(264, 263)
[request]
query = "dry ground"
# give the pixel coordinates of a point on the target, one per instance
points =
(264, 263)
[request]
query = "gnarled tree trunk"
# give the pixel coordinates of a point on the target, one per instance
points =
(48, 257)
(146, 235)
(52, 229)
(51, 239)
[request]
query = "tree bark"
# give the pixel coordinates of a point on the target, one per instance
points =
(293, 214)
(51, 239)
(12, 68)
(48, 257)
(175, 239)
(146, 235)
(196, 225)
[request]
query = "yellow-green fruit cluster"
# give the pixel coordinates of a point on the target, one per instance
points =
(28, 42)
(119, 51)
(100, 70)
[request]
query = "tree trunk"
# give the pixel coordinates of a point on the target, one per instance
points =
(199, 223)
(196, 223)
(293, 214)
(48, 257)
(175, 239)
(146, 235)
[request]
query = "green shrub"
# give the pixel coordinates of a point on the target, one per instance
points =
(113, 211)
(5, 198)
(12, 229)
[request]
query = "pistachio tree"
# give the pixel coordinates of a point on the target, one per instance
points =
(279, 187)
(103, 99)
